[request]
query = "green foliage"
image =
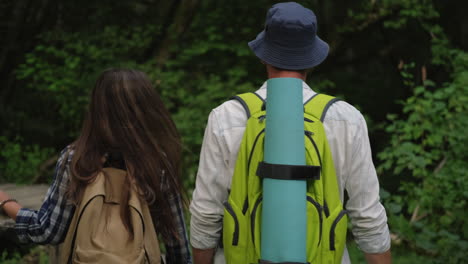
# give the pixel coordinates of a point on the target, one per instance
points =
(396, 13)
(5, 259)
(40, 255)
(64, 65)
(20, 162)
(399, 256)
(37, 255)
(429, 145)
(191, 83)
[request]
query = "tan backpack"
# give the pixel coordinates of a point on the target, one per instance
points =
(97, 233)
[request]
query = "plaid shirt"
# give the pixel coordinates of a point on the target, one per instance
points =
(50, 224)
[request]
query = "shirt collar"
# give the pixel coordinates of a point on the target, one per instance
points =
(307, 91)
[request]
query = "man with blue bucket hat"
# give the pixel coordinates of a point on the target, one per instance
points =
(290, 39)
(288, 46)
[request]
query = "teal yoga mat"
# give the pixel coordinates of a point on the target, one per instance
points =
(283, 236)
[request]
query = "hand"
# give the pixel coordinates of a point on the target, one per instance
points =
(11, 209)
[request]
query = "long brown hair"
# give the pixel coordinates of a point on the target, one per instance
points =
(127, 116)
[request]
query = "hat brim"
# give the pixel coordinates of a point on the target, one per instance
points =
(289, 58)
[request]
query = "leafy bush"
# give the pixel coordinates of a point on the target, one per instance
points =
(427, 148)
(5, 259)
(78, 57)
(400, 255)
(37, 255)
(64, 66)
(20, 163)
(429, 145)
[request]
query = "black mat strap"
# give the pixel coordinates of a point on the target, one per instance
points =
(288, 172)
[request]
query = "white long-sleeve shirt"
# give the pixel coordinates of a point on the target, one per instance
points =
(348, 139)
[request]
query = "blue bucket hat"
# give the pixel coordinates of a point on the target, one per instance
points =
(289, 40)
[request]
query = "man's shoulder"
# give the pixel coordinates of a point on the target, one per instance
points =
(342, 111)
(230, 114)
(229, 105)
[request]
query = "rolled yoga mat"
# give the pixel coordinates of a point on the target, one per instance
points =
(283, 236)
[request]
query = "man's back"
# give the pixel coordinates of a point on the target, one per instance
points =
(347, 136)
(288, 46)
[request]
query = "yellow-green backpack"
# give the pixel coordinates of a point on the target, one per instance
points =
(326, 218)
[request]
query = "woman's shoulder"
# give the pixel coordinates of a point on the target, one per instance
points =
(66, 155)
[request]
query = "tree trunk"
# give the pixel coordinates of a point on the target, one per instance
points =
(177, 23)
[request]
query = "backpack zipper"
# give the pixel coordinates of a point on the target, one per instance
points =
(319, 210)
(246, 205)
(253, 148)
(325, 209)
(309, 136)
(332, 229)
(253, 216)
(235, 236)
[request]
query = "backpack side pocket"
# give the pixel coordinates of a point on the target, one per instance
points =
(334, 236)
(234, 234)
(314, 229)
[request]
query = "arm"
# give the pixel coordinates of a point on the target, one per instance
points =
(177, 249)
(203, 256)
(379, 258)
(367, 214)
(48, 225)
(210, 191)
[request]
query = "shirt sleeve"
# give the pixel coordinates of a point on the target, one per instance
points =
(367, 214)
(49, 225)
(206, 207)
(177, 249)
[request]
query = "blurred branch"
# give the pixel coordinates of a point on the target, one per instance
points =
(441, 165)
(423, 73)
(395, 238)
(415, 215)
(43, 168)
(182, 19)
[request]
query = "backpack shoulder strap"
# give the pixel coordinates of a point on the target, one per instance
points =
(318, 105)
(252, 102)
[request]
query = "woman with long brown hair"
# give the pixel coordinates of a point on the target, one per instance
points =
(127, 127)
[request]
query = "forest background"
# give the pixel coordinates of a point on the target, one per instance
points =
(402, 63)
